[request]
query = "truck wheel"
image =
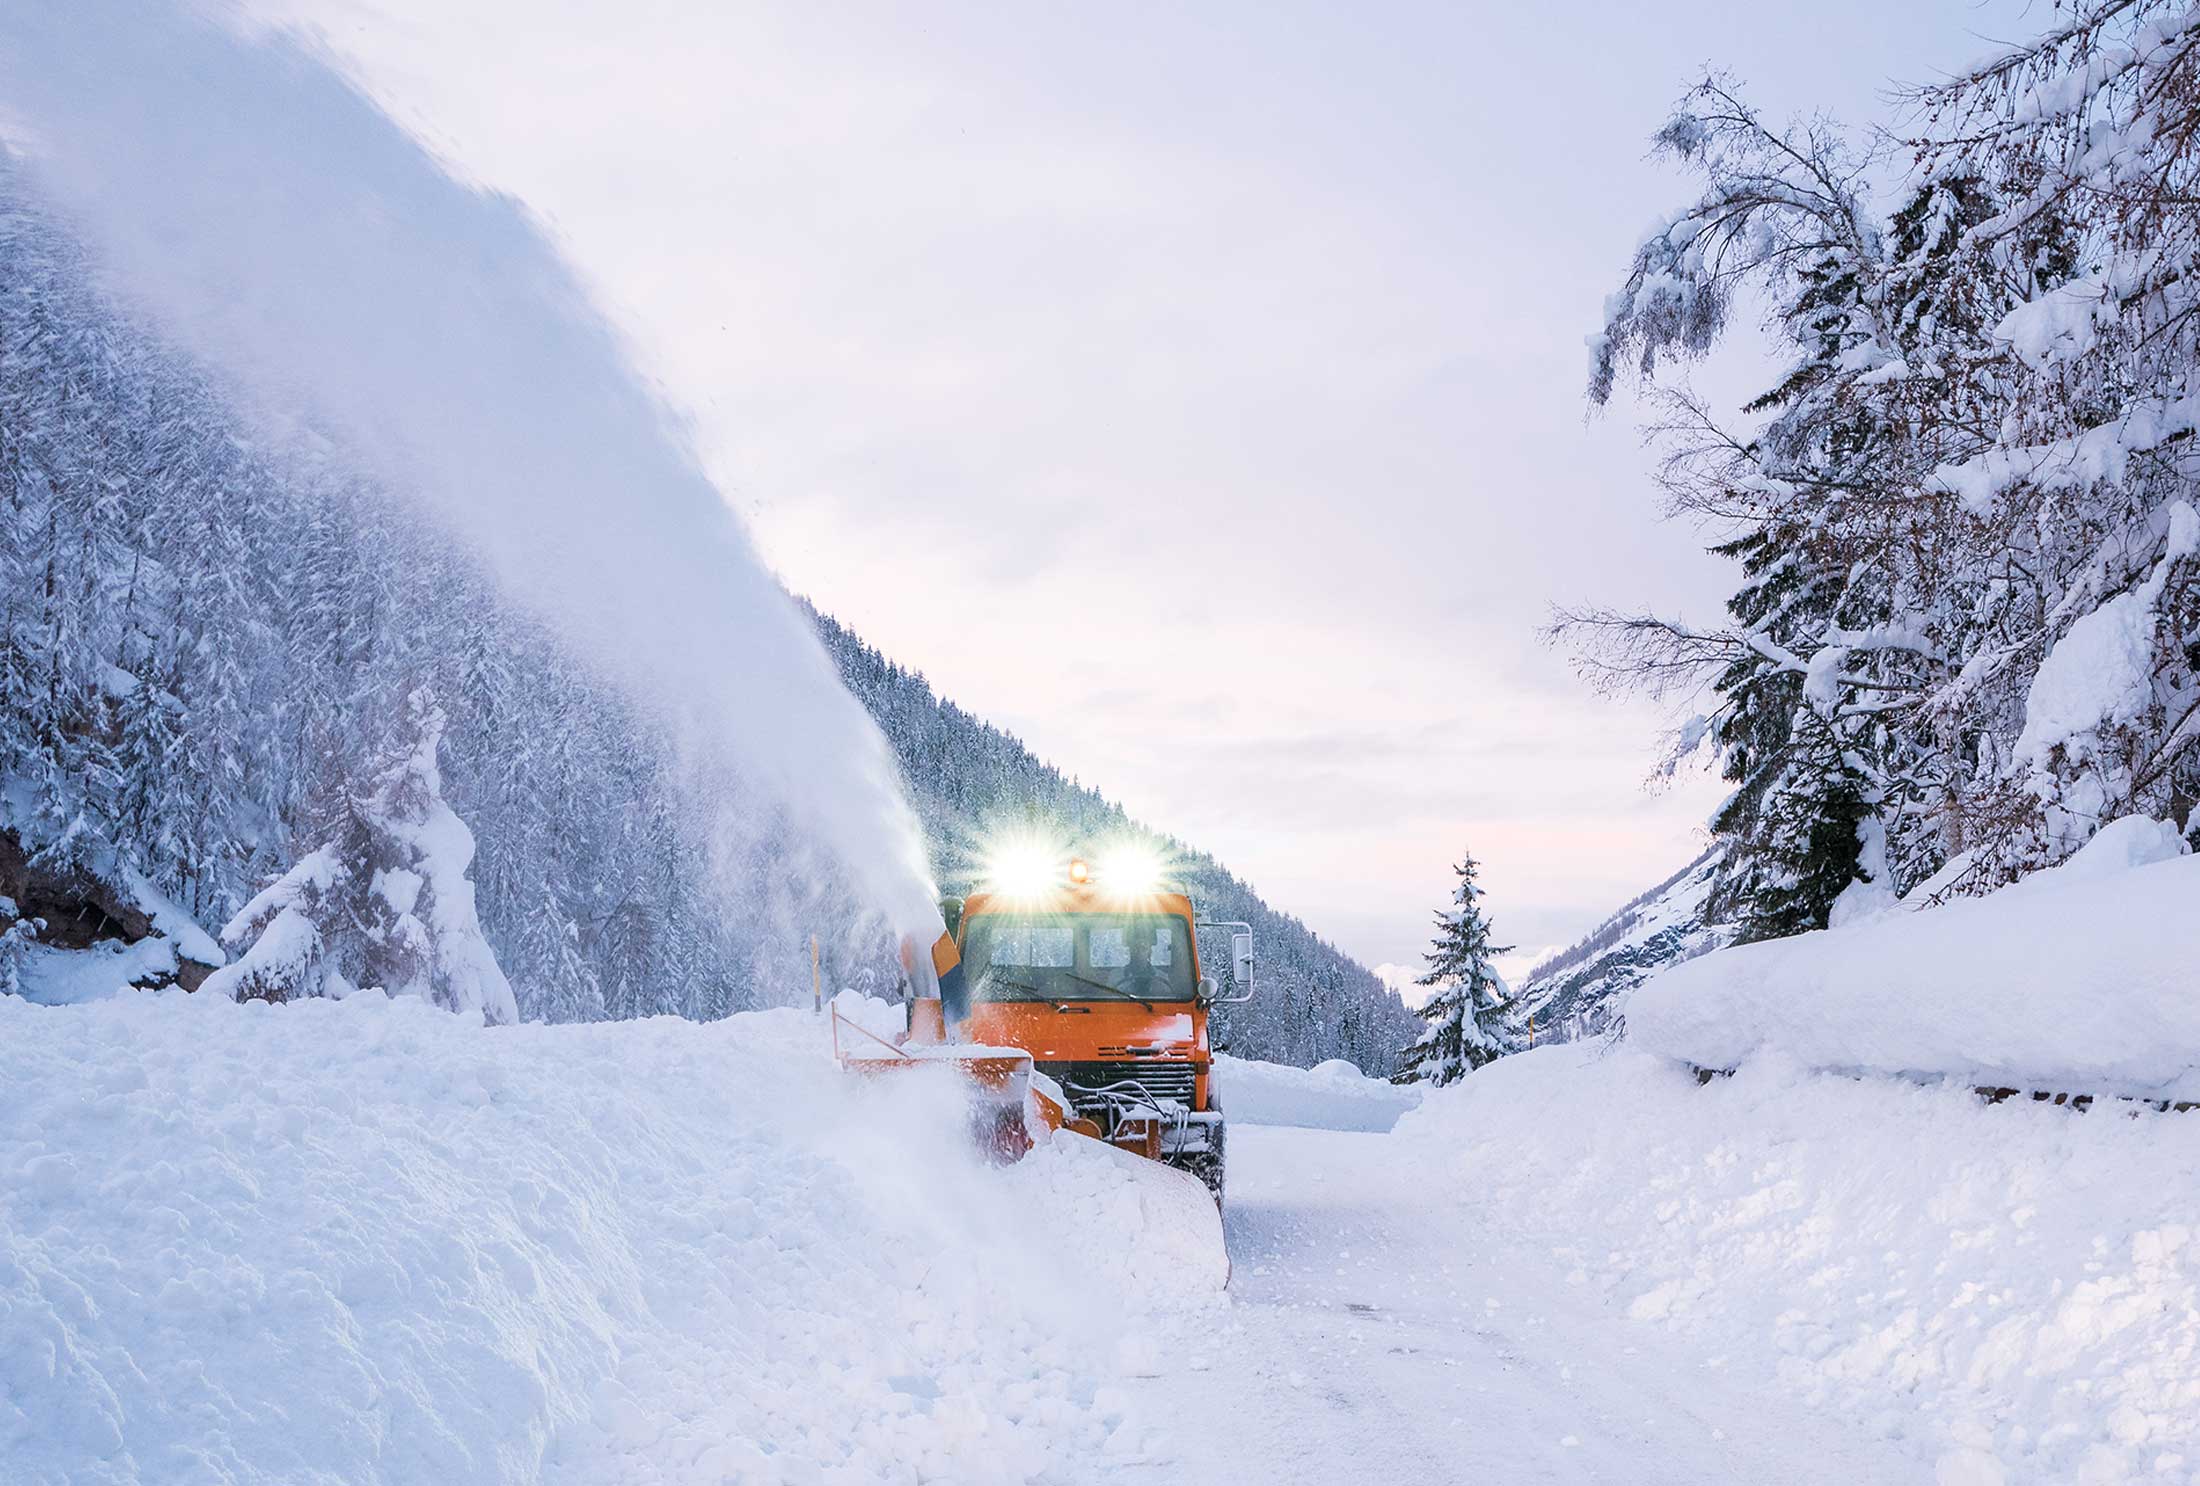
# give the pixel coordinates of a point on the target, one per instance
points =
(1209, 1167)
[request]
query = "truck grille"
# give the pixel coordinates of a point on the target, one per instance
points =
(1124, 1085)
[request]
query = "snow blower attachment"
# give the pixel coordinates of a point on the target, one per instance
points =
(1069, 999)
(1005, 1106)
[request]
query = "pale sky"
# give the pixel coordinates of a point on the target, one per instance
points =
(1193, 390)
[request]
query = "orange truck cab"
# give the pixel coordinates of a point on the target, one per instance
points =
(1104, 991)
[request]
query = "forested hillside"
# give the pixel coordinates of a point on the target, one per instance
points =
(208, 633)
(205, 636)
(968, 778)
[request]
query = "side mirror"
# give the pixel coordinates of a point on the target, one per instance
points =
(1241, 958)
(1208, 990)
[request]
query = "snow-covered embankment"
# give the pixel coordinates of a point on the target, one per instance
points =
(364, 1241)
(2006, 1295)
(1329, 1096)
(2075, 980)
(2010, 1293)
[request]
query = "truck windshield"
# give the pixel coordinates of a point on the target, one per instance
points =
(1078, 957)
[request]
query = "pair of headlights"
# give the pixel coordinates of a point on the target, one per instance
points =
(1029, 870)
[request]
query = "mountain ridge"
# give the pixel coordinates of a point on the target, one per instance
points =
(1577, 992)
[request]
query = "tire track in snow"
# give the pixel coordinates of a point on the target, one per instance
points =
(1381, 1328)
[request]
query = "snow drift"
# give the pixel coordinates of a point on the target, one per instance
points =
(365, 1241)
(1334, 1095)
(2009, 1295)
(2078, 979)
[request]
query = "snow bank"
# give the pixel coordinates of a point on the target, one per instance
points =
(2079, 980)
(1329, 1096)
(363, 1241)
(2009, 1293)
(64, 977)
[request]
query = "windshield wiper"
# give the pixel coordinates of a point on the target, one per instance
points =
(993, 979)
(1101, 985)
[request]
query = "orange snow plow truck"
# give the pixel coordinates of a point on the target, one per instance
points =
(1070, 998)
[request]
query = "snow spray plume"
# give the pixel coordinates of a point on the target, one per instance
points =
(237, 186)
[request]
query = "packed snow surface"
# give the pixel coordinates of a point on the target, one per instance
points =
(370, 1241)
(2075, 980)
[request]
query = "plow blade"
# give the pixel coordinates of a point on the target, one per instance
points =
(1008, 1113)
(1180, 1226)
(1005, 1120)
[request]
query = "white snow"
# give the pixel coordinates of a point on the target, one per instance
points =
(52, 976)
(2075, 980)
(366, 1240)
(1390, 1322)
(2119, 846)
(1329, 1096)
(2100, 454)
(192, 942)
(2100, 673)
(2062, 324)
(880, 1018)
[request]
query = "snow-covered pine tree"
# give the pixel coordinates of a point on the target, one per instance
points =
(1457, 1041)
(1857, 716)
(2083, 687)
(17, 934)
(422, 934)
(281, 943)
(385, 904)
(1788, 831)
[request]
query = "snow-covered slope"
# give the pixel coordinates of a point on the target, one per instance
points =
(2002, 1295)
(365, 1241)
(2079, 979)
(1575, 993)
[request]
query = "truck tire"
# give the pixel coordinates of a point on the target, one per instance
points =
(1209, 1165)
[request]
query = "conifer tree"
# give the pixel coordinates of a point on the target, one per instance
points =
(1859, 712)
(385, 904)
(1457, 1041)
(16, 936)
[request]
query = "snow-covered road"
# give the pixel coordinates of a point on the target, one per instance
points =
(1378, 1333)
(364, 1241)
